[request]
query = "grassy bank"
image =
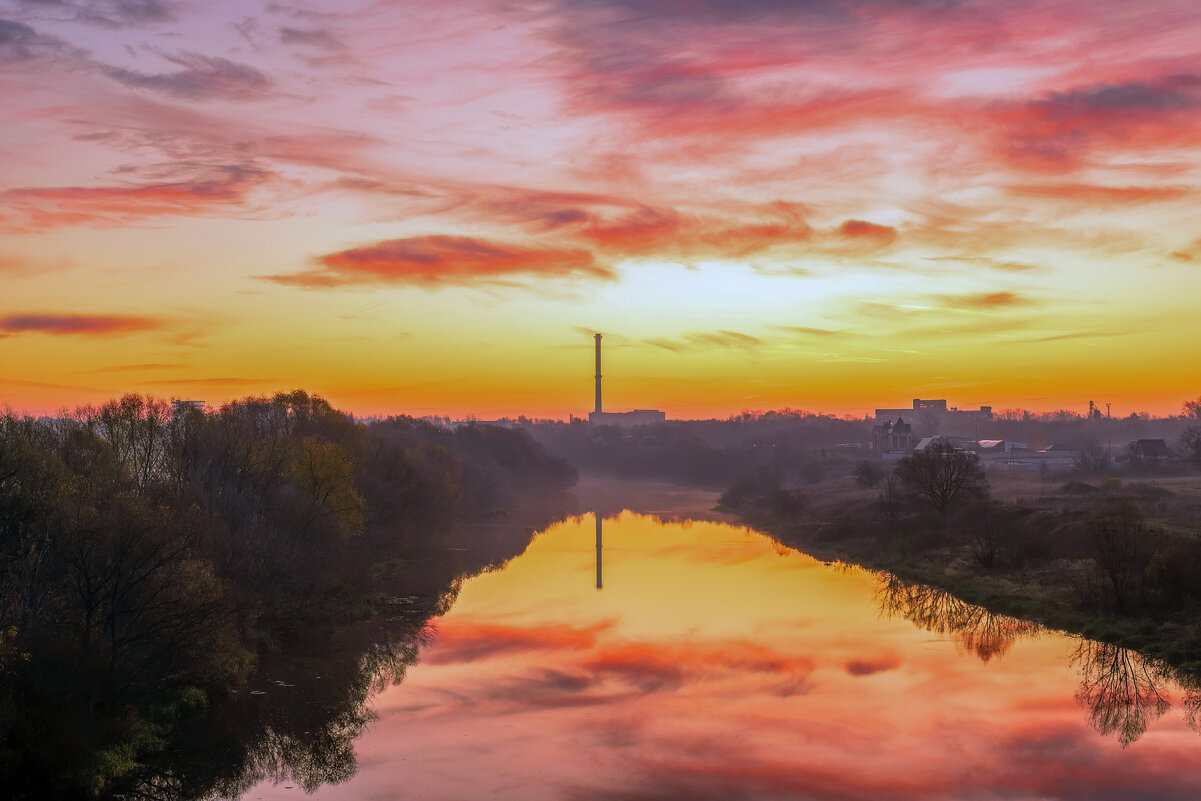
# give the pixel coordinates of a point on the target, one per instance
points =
(1033, 550)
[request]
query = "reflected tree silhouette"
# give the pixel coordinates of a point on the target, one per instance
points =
(1190, 702)
(298, 724)
(1123, 691)
(975, 629)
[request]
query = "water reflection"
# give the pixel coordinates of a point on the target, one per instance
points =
(711, 668)
(297, 722)
(1123, 691)
(600, 521)
(296, 725)
(977, 630)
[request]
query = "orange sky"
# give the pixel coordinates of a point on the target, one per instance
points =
(426, 207)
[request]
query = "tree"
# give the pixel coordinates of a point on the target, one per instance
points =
(1092, 458)
(1122, 690)
(1190, 445)
(1192, 409)
(1119, 543)
(868, 473)
(942, 475)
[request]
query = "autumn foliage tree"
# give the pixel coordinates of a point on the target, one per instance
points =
(149, 552)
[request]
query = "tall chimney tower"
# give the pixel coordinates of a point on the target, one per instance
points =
(598, 374)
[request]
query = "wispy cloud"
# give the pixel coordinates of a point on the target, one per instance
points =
(77, 324)
(199, 78)
(235, 381)
(432, 261)
(108, 13)
(13, 265)
(985, 300)
(1064, 130)
(310, 37)
(806, 331)
(197, 189)
(139, 368)
(1096, 194)
(703, 340)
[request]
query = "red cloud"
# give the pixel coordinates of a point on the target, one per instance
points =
(670, 233)
(642, 230)
(438, 260)
(1065, 130)
(866, 667)
(860, 228)
(655, 665)
(1101, 195)
(76, 324)
(860, 235)
(470, 642)
(40, 208)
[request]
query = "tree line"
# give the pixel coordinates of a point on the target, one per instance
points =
(152, 554)
(1107, 559)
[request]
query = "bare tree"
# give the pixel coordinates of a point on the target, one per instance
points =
(1122, 690)
(1192, 409)
(868, 473)
(1190, 445)
(1091, 458)
(1119, 544)
(941, 475)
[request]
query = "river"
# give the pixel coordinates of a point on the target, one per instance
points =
(649, 658)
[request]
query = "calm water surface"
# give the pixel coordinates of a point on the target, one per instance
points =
(713, 664)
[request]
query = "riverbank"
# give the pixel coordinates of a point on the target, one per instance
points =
(1043, 562)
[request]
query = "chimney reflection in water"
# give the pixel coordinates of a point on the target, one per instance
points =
(598, 551)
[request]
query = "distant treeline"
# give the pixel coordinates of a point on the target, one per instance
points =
(799, 447)
(151, 555)
(708, 453)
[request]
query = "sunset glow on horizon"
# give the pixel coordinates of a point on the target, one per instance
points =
(428, 207)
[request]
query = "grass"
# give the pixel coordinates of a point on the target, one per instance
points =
(1048, 591)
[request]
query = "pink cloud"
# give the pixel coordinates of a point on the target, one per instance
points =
(460, 642)
(201, 190)
(441, 260)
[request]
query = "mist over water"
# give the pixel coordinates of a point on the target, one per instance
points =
(715, 663)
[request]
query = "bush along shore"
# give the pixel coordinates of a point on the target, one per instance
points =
(184, 596)
(1111, 561)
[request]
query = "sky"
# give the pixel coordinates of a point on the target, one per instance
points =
(429, 207)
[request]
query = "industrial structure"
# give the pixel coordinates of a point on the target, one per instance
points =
(638, 417)
(936, 407)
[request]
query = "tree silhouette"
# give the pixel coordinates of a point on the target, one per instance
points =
(942, 475)
(1122, 690)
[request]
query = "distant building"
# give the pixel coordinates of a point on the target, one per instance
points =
(1001, 446)
(638, 417)
(184, 405)
(1148, 450)
(893, 437)
(944, 441)
(936, 407)
(1064, 452)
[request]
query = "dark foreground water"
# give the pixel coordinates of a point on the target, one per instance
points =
(704, 661)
